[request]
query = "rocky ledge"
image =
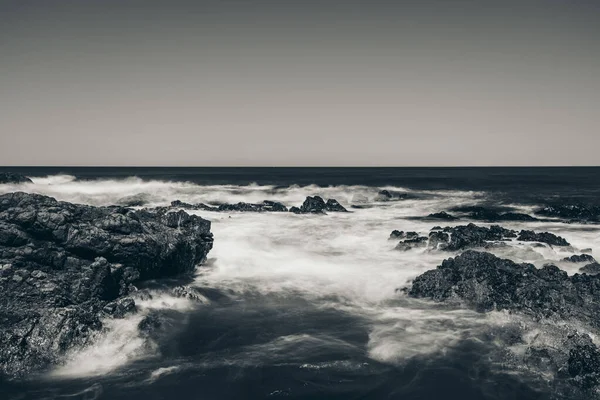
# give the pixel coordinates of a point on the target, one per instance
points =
(312, 205)
(472, 236)
(9, 177)
(65, 266)
(484, 282)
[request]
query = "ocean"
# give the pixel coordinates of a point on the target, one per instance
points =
(311, 306)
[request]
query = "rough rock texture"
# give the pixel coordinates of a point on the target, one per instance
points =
(396, 234)
(266, 205)
(571, 212)
(442, 215)
(580, 258)
(416, 242)
(9, 177)
(590, 269)
(492, 214)
(63, 266)
(470, 236)
(542, 237)
(316, 205)
(484, 282)
(387, 195)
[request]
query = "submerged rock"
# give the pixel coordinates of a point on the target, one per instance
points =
(571, 212)
(590, 269)
(10, 177)
(265, 206)
(580, 258)
(442, 215)
(542, 237)
(136, 200)
(65, 266)
(492, 214)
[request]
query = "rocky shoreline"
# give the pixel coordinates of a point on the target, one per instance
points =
(65, 267)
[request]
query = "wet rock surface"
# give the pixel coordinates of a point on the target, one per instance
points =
(571, 212)
(484, 282)
(542, 237)
(492, 214)
(64, 267)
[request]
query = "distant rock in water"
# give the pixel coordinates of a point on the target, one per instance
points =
(387, 195)
(442, 215)
(265, 206)
(542, 237)
(396, 234)
(65, 266)
(469, 236)
(10, 177)
(492, 214)
(590, 269)
(580, 258)
(571, 212)
(316, 205)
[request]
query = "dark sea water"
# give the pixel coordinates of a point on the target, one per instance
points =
(306, 307)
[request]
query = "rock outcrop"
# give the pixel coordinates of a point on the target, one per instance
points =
(316, 205)
(265, 206)
(443, 216)
(542, 237)
(63, 267)
(10, 177)
(580, 258)
(571, 212)
(492, 214)
(484, 282)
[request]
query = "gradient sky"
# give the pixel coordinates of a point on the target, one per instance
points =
(282, 82)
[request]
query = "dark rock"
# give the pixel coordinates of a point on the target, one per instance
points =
(266, 205)
(437, 228)
(590, 269)
(493, 214)
(485, 282)
(333, 206)
(64, 266)
(572, 212)
(580, 258)
(412, 235)
(387, 195)
(188, 292)
(9, 177)
(438, 240)
(469, 236)
(415, 242)
(396, 234)
(442, 215)
(542, 237)
(316, 205)
(313, 204)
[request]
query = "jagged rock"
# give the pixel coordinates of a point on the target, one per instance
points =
(266, 205)
(590, 269)
(572, 212)
(333, 206)
(542, 237)
(580, 258)
(387, 195)
(442, 215)
(396, 234)
(188, 293)
(316, 205)
(408, 244)
(485, 282)
(10, 177)
(412, 235)
(492, 214)
(469, 236)
(64, 266)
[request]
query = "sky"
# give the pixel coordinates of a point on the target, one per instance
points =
(299, 83)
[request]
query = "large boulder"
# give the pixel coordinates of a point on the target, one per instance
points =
(484, 282)
(316, 205)
(10, 177)
(542, 237)
(64, 267)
